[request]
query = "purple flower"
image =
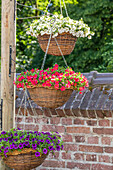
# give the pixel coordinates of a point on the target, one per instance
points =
(2, 147)
(57, 132)
(37, 154)
(3, 133)
(26, 143)
(62, 146)
(21, 145)
(33, 139)
(0, 139)
(21, 136)
(50, 137)
(41, 140)
(48, 141)
(35, 132)
(47, 133)
(34, 145)
(15, 146)
(45, 151)
(54, 137)
(38, 143)
(11, 146)
(18, 129)
(5, 155)
(15, 139)
(58, 148)
(15, 134)
(6, 150)
(50, 148)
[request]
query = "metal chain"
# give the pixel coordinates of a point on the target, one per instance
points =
(61, 53)
(65, 8)
(48, 5)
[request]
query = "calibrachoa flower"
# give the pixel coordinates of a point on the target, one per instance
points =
(61, 25)
(55, 77)
(39, 142)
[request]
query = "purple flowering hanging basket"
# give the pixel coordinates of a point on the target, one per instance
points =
(24, 160)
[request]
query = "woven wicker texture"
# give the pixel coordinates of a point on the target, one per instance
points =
(66, 43)
(49, 98)
(24, 161)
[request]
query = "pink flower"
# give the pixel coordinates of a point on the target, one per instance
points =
(81, 88)
(62, 88)
(56, 86)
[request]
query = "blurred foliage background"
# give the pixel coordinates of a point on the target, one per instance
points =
(95, 54)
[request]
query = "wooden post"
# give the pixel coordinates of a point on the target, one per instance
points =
(8, 49)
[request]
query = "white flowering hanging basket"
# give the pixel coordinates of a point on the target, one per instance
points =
(64, 31)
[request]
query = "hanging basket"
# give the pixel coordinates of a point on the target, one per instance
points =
(66, 43)
(24, 160)
(50, 98)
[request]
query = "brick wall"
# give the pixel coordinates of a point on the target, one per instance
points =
(88, 143)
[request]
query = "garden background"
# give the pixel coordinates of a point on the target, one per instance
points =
(95, 54)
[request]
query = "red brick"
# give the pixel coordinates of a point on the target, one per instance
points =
(91, 158)
(66, 155)
(101, 167)
(67, 138)
(96, 149)
(55, 156)
(70, 147)
(68, 112)
(108, 149)
(85, 130)
(53, 112)
(29, 119)
(55, 120)
(19, 119)
(104, 158)
(66, 121)
(53, 128)
(80, 139)
(55, 164)
(112, 123)
(104, 122)
(106, 140)
(30, 127)
(39, 111)
(107, 131)
(79, 156)
(91, 122)
(36, 128)
(74, 165)
(79, 121)
(47, 112)
(43, 120)
(93, 140)
(60, 112)
(21, 126)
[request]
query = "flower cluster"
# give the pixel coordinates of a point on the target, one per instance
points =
(40, 142)
(55, 77)
(58, 25)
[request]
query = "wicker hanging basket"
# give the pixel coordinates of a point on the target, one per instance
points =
(24, 160)
(50, 98)
(66, 43)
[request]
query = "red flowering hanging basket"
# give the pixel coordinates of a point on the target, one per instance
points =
(24, 160)
(52, 87)
(66, 42)
(50, 98)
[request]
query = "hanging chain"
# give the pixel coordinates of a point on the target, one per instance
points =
(48, 5)
(65, 8)
(61, 53)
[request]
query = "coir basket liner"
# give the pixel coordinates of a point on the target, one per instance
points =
(50, 98)
(66, 43)
(24, 160)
